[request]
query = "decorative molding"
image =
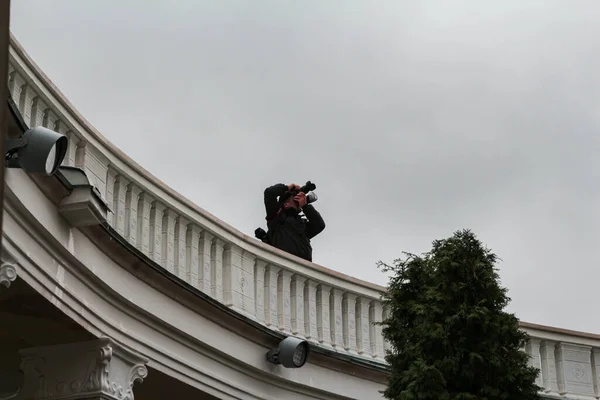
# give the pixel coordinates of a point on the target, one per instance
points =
(8, 274)
(100, 369)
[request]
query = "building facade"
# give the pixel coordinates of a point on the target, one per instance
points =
(114, 286)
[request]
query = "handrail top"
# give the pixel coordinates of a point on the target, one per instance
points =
(560, 331)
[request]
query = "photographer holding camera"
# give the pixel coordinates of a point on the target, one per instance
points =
(287, 230)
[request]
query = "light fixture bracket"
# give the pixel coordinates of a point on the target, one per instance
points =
(12, 146)
(273, 356)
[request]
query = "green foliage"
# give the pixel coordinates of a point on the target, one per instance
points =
(450, 338)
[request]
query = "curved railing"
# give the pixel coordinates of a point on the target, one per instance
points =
(272, 287)
(280, 291)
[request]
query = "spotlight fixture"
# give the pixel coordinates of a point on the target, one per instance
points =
(291, 353)
(39, 150)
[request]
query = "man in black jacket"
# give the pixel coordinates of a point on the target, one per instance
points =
(287, 230)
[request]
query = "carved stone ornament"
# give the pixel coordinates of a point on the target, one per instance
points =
(99, 369)
(8, 273)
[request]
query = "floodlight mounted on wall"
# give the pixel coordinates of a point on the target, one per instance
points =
(292, 352)
(39, 150)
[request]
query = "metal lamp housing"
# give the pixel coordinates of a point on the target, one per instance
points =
(40, 150)
(292, 352)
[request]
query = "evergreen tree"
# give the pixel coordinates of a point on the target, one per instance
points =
(450, 338)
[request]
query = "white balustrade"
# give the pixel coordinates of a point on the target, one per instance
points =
(569, 362)
(279, 291)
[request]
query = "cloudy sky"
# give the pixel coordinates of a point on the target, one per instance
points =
(414, 119)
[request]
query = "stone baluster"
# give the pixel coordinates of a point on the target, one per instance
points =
(386, 344)
(168, 240)
(574, 370)
(283, 300)
(349, 322)
(216, 265)
(98, 369)
(376, 338)
(143, 235)
(247, 283)
(205, 273)
(192, 259)
(181, 227)
(310, 311)
(260, 267)
(132, 198)
(335, 312)
(532, 349)
(297, 302)
(50, 119)
(95, 165)
(156, 238)
(232, 277)
(549, 376)
(363, 343)
(26, 102)
(71, 156)
(270, 304)
(323, 324)
(38, 110)
(73, 145)
(120, 194)
(596, 369)
(15, 85)
(111, 178)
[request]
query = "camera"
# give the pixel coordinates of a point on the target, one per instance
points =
(308, 187)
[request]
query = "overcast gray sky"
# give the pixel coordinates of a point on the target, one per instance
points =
(414, 119)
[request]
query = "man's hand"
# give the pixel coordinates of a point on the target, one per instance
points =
(300, 198)
(294, 186)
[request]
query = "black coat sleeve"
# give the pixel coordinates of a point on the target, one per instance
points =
(271, 203)
(315, 224)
